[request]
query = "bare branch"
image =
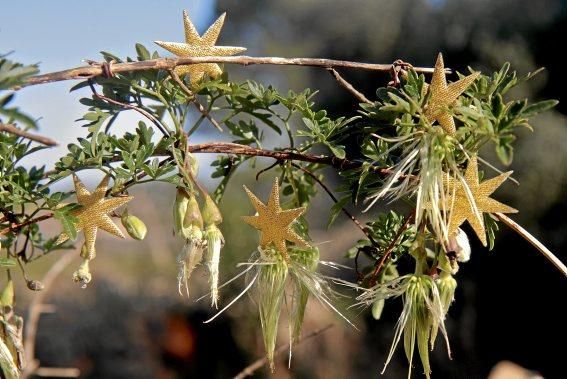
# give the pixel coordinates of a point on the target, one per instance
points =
(249, 370)
(333, 197)
(22, 133)
(91, 71)
(346, 85)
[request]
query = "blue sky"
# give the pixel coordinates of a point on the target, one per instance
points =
(60, 34)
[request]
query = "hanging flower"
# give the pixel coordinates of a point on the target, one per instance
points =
(267, 276)
(422, 315)
(189, 258)
(214, 240)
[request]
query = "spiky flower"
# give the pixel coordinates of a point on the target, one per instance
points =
(426, 165)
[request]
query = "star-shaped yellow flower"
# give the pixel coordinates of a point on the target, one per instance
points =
(273, 222)
(461, 207)
(94, 213)
(442, 96)
(197, 46)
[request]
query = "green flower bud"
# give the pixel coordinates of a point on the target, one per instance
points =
(7, 295)
(211, 213)
(447, 286)
(179, 210)
(134, 226)
(192, 215)
(83, 274)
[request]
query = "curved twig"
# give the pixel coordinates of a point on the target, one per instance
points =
(533, 241)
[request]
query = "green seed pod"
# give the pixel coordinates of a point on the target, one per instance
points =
(7, 295)
(179, 210)
(193, 214)
(83, 274)
(211, 213)
(134, 226)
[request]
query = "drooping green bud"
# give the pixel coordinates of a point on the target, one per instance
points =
(271, 292)
(377, 308)
(179, 210)
(7, 295)
(211, 213)
(193, 215)
(215, 240)
(83, 274)
(134, 226)
(447, 286)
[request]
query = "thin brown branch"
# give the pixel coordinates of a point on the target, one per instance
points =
(34, 311)
(238, 149)
(25, 223)
(196, 102)
(533, 241)
(349, 87)
(259, 363)
(390, 248)
(58, 372)
(31, 136)
(334, 198)
(143, 112)
(92, 71)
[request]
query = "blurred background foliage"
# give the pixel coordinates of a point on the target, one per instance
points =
(131, 322)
